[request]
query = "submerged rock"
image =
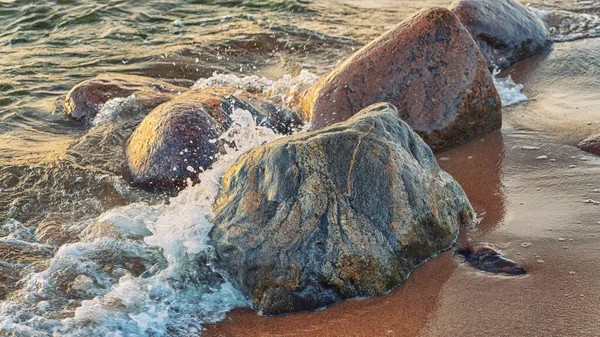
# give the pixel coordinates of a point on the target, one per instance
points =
(429, 67)
(86, 98)
(483, 256)
(347, 211)
(180, 138)
(591, 145)
(505, 30)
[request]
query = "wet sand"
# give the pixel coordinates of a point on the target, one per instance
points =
(563, 86)
(520, 199)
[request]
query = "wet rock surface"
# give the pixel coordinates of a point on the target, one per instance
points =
(505, 30)
(591, 145)
(86, 98)
(485, 257)
(181, 138)
(347, 211)
(429, 67)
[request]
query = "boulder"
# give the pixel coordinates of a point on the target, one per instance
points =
(180, 138)
(348, 211)
(429, 67)
(505, 30)
(591, 145)
(86, 98)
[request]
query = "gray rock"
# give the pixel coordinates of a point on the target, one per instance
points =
(505, 30)
(347, 211)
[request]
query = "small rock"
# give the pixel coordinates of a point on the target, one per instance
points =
(87, 98)
(591, 145)
(526, 244)
(485, 257)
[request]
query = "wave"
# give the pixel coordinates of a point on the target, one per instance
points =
(569, 26)
(136, 270)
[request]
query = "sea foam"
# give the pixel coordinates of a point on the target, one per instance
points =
(283, 91)
(138, 270)
(510, 92)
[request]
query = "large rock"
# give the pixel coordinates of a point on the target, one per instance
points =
(591, 145)
(505, 30)
(86, 98)
(180, 138)
(348, 211)
(429, 67)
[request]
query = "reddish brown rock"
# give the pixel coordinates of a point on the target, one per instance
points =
(505, 30)
(429, 67)
(86, 98)
(591, 145)
(180, 138)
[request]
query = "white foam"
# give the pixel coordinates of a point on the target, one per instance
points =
(568, 26)
(542, 14)
(282, 91)
(115, 107)
(93, 280)
(510, 92)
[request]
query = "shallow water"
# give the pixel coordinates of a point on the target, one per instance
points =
(63, 201)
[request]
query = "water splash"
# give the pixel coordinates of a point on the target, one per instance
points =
(285, 91)
(568, 26)
(114, 107)
(138, 270)
(510, 92)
